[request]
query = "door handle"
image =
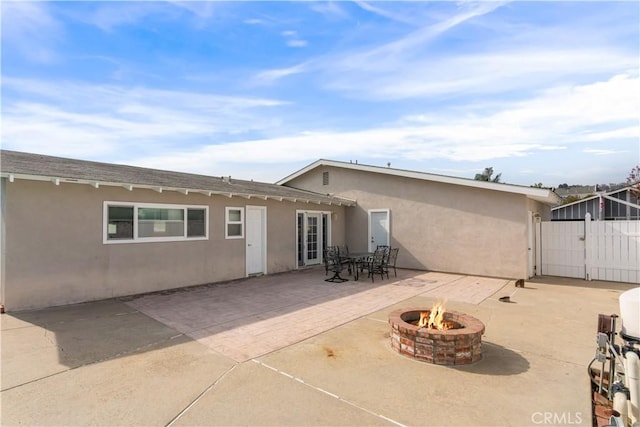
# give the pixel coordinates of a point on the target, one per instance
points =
(249, 244)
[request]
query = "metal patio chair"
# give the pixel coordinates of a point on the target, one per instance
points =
(391, 261)
(376, 264)
(334, 264)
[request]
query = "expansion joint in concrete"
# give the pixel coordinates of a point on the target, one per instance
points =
(328, 393)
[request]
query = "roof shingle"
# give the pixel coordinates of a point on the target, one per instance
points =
(37, 166)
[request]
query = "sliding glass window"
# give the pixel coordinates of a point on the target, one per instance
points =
(144, 222)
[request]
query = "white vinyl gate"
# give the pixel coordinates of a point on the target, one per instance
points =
(591, 250)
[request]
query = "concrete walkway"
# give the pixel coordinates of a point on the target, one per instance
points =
(109, 363)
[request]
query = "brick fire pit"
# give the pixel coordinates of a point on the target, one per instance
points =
(458, 346)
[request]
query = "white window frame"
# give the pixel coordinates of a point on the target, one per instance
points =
(227, 222)
(138, 205)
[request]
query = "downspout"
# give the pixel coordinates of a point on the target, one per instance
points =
(3, 233)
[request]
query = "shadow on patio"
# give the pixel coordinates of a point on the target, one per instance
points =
(240, 319)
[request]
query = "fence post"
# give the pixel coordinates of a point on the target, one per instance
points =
(538, 247)
(587, 246)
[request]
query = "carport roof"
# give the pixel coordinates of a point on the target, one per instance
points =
(18, 165)
(542, 195)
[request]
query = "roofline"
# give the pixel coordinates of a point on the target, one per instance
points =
(57, 180)
(539, 194)
(586, 199)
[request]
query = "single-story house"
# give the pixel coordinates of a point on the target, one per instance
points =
(75, 231)
(620, 204)
(440, 223)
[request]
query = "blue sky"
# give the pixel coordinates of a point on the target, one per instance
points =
(541, 91)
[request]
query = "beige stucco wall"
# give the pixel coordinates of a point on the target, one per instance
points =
(440, 227)
(54, 252)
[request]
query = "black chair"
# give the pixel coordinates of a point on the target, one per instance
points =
(391, 263)
(376, 264)
(325, 259)
(385, 248)
(326, 262)
(345, 259)
(335, 265)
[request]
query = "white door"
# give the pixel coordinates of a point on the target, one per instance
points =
(256, 240)
(313, 238)
(378, 228)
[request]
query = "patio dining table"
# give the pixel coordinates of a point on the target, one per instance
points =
(356, 258)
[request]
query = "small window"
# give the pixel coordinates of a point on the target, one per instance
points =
(325, 178)
(234, 223)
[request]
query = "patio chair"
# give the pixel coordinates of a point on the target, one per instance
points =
(345, 259)
(391, 262)
(326, 261)
(335, 265)
(376, 264)
(325, 258)
(384, 247)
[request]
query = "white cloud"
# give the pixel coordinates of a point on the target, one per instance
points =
(553, 121)
(430, 32)
(62, 116)
(329, 9)
(517, 96)
(272, 76)
(496, 72)
(354, 71)
(254, 21)
(293, 39)
(602, 152)
(109, 15)
(180, 126)
(405, 19)
(31, 28)
(296, 43)
(202, 9)
(520, 60)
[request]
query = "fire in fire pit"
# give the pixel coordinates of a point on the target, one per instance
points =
(434, 319)
(436, 336)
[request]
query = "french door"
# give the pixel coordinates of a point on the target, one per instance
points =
(313, 236)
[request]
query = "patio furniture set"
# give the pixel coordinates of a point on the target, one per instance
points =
(338, 258)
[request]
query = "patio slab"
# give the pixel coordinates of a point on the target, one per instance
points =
(105, 363)
(247, 319)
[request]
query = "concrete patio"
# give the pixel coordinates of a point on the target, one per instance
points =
(292, 349)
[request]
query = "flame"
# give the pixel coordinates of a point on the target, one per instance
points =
(424, 319)
(434, 319)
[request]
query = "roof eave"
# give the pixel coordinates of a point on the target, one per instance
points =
(57, 180)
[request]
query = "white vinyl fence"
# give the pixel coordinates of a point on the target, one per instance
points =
(591, 250)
